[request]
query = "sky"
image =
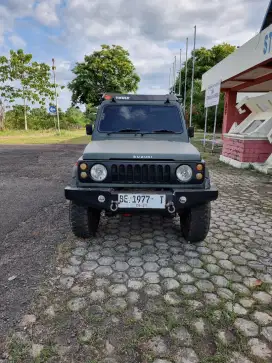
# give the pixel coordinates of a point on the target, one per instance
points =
(153, 31)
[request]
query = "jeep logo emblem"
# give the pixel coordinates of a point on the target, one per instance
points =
(142, 157)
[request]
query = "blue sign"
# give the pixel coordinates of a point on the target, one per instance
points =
(52, 109)
(267, 43)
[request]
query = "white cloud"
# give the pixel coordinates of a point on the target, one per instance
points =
(46, 12)
(63, 71)
(64, 99)
(152, 31)
(1, 33)
(17, 41)
(147, 28)
(159, 21)
(10, 10)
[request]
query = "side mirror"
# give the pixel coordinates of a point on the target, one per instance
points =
(191, 131)
(89, 129)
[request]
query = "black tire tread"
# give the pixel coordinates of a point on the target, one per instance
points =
(79, 221)
(198, 224)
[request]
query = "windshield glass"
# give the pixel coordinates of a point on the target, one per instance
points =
(140, 118)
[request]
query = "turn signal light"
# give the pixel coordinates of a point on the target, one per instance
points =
(83, 175)
(107, 97)
(83, 166)
(199, 176)
(199, 167)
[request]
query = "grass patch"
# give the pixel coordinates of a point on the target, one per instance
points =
(217, 358)
(147, 330)
(140, 332)
(82, 140)
(47, 353)
(21, 137)
(130, 322)
(172, 321)
(94, 318)
(18, 351)
(265, 287)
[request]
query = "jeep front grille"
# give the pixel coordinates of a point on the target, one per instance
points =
(140, 173)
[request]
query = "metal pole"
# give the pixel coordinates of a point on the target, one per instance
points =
(170, 80)
(193, 78)
(186, 74)
(56, 95)
(214, 127)
(175, 74)
(205, 128)
(26, 128)
(180, 72)
(55, 121)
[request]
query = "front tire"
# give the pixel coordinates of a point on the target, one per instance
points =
(84, 221)
(195, 223)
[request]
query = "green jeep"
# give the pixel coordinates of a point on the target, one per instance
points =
(140, 160)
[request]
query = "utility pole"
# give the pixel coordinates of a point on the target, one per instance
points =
(170, 80)
(180, 72)
(25, 109)
(193, 77)
(175, 74)
(186, 75)
(56, 94)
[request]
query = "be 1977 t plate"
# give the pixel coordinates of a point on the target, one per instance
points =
(150, 201)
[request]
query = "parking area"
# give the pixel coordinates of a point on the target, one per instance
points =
(33, 221)
(137, 292)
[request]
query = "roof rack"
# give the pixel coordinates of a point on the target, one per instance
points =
(132, 97)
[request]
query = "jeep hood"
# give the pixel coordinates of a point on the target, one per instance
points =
(141, 149)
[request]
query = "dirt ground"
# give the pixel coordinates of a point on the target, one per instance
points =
(33, 220)
(137, 292)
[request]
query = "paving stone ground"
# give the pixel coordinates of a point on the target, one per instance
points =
(139, 293)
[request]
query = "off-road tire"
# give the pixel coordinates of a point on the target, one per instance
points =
(195, 223)
(84, 221)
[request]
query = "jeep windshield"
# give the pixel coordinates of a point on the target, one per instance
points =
(143, 119)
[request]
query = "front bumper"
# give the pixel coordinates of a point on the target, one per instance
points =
(89, 197)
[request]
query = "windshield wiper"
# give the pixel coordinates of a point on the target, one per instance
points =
(163, 131)
(124, 131)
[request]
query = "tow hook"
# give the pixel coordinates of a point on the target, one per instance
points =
(114, 206)
(171, 207)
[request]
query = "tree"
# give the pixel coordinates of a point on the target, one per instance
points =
(205, 60)
(90, 113)
(25, 79)
(39, 118)
(106, 70)
(75, 117)
(15, 118)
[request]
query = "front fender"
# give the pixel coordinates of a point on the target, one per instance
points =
(74, 174)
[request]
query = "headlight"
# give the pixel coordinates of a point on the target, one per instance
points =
(184, 173)
(98, 172)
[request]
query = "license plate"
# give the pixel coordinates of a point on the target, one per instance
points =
(151, 201)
